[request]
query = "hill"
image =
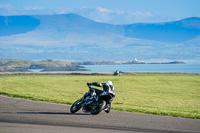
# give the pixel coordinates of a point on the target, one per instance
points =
(13, 65)
(73, 37)
(177, 31)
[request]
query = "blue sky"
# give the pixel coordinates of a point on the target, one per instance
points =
(107, 11)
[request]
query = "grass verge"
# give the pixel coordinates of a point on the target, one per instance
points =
(160, 94)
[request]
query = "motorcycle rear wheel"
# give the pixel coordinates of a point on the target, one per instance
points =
(76, 106)
(99, 108)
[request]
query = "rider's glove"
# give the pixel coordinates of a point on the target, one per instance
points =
(88, 84)
(94, 83)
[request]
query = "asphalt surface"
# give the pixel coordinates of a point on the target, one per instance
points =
(26, 116)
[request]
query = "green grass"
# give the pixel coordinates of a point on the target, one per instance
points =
(161, 94)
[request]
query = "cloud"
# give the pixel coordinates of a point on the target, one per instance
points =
(6, 6)
(6, 9)
(33, 8)
(36, 10)
(9, 10)
(140, 15)
(103, 10)
(114, 16)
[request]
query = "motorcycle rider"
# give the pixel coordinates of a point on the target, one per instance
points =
(107, 87)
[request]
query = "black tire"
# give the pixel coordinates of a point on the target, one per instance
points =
(101, 106)
(76, 106)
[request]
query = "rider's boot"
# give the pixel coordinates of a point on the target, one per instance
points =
(107, 109)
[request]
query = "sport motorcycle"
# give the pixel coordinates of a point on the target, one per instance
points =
(93, 104)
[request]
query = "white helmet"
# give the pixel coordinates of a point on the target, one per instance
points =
(109, 83)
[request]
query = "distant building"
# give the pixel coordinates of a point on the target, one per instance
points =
(136, 60)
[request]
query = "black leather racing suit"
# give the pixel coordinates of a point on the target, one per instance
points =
(106, 88)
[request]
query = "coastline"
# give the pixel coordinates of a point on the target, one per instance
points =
(15, 65)
(91, 73)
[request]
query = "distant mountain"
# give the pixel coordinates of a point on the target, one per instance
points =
(73, 37)
(66, 29)
(177, 31)
(17, 24)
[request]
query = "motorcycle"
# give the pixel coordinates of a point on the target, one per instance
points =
(93, 104)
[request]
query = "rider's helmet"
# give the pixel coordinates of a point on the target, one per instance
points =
(109, 83)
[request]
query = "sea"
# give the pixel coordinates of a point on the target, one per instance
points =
(188, 67)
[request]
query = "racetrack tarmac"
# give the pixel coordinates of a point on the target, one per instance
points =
(26, 116)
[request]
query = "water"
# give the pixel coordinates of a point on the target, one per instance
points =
(35, 70)
(189, 67)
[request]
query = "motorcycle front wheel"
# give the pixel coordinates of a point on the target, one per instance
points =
(99, 108)
(76, 106)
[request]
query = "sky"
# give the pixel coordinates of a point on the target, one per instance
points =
(107, 11)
